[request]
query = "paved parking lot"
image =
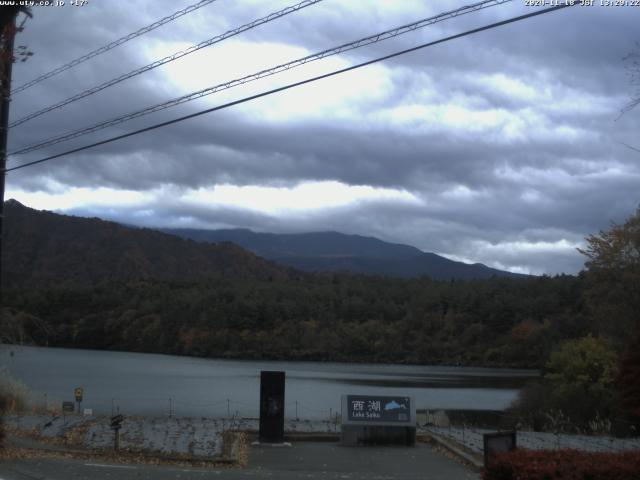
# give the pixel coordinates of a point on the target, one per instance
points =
(302, 460)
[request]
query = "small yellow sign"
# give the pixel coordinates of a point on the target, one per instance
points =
(78, 394)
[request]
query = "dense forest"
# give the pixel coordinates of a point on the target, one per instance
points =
(511, 322)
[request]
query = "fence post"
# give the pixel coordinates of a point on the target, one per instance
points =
(297, 418)
(228, 409)
(462, 433)
(170, 408)
(116, 439)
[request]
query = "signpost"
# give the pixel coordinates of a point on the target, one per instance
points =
(67, 407)
(116, 424)
(77, 392)
(499, 442)
(372, 419)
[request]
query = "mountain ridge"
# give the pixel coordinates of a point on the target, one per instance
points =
(332, 251)
(46, 248)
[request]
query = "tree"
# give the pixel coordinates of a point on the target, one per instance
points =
(616, 249)
(581, 375)
(628, 379)
(613, 273)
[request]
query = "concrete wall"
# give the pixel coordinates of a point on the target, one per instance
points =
(353, 435)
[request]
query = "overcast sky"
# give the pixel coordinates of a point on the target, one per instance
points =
(503, 147)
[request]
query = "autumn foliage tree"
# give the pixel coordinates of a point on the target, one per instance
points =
(613, 273)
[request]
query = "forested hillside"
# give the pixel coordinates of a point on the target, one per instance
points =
(335, 317)
(46, 249)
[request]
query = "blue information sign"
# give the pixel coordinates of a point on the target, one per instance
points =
(369, 408)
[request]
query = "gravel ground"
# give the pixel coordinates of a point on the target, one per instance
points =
(200, 437)
(472, 438)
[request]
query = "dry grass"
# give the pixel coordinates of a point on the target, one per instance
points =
(235, 447)
(13, 393)
(13, 398)
(122, 457)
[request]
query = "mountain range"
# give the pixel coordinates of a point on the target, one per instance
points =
(42, 247)
(334, 251)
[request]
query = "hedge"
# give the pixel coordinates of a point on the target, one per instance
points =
(565, 464)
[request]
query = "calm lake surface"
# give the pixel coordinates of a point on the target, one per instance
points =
(150, 384)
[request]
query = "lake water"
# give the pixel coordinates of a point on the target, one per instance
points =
(149, 384)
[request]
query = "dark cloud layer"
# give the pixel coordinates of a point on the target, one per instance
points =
(506, 142)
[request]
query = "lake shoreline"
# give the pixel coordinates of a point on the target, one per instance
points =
(533, 371)
(158, 384)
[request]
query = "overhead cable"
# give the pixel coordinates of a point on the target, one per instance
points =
(291, 85)
(167, 59)
(378, 37)
(112, 45)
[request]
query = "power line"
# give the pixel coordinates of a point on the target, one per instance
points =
(113, 44)
(378, 37)
(167, 59)
(293, 85)
(629, 146)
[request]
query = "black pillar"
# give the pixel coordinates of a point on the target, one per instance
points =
(271, 407)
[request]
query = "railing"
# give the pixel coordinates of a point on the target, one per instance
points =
(295, 410)
(564, 434)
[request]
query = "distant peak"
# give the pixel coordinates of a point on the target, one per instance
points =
(14, 203)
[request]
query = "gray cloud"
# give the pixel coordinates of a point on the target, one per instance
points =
(507, 138)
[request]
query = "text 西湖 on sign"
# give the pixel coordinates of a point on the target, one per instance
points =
(368, 408)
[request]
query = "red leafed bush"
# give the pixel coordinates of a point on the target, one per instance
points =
(563, 464)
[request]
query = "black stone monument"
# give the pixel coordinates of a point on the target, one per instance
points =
(271, 407)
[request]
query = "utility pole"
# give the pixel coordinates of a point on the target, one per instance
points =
(8, 27)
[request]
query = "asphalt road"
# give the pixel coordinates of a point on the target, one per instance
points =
(303, 460)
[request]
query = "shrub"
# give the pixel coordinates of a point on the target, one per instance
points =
(13, 394)
(530, 409)
(582, 374)
(13, 397)
(565, 464)
(576, 392)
